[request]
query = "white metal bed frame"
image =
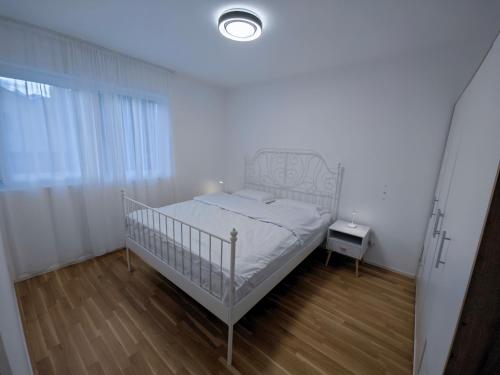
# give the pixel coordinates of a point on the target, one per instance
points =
(299, 175)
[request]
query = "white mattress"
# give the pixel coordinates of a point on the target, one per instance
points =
(267, 238)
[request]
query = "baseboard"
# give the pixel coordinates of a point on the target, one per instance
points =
(55, 267)
(414, 364)
(395, 270)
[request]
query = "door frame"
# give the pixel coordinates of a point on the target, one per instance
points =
(476, 346)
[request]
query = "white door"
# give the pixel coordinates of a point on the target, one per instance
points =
(423, 293)
(472, 183)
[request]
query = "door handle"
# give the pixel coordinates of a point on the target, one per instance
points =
(434, 205)
(440, 253)
(439, 215)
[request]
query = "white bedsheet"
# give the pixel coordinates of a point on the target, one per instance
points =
(267, 237)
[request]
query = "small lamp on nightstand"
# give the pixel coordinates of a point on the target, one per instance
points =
(221, 184)
(352, 224)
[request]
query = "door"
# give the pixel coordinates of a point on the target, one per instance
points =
(478, 117)
(422, 314)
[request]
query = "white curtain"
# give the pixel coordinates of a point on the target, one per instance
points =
(69, 143)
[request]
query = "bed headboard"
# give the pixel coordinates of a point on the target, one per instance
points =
(299, 175)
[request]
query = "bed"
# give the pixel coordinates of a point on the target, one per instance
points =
(228, 251)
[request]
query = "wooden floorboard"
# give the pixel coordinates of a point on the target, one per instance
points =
(97, 318)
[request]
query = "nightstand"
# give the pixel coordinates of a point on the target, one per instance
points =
(345, 240)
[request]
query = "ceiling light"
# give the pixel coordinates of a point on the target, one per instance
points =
(240, 25)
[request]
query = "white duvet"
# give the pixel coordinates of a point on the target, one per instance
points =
(267, 237)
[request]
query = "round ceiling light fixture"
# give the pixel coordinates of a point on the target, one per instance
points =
(240, 24)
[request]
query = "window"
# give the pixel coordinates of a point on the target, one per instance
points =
(53, 135)
(25, 88)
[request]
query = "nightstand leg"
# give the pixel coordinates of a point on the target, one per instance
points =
(328, 257)
(357, 267)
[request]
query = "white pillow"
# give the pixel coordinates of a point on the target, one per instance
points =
(257, 195)
(302, 205)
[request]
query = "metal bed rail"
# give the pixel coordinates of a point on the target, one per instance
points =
(166, 239)
(201, 257)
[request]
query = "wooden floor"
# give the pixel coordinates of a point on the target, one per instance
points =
(96, 318)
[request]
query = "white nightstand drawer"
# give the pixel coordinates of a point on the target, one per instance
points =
(343, 247)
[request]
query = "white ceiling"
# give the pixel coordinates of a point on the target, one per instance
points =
(298, 35)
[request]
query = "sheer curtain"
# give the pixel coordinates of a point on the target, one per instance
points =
(68, 144)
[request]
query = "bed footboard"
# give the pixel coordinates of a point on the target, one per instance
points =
(200, 263)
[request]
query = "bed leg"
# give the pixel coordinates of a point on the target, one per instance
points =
(129, 265)
(230, 345)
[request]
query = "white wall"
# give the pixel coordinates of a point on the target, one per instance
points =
(13, 357)
(198, 126)
(386, 121)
